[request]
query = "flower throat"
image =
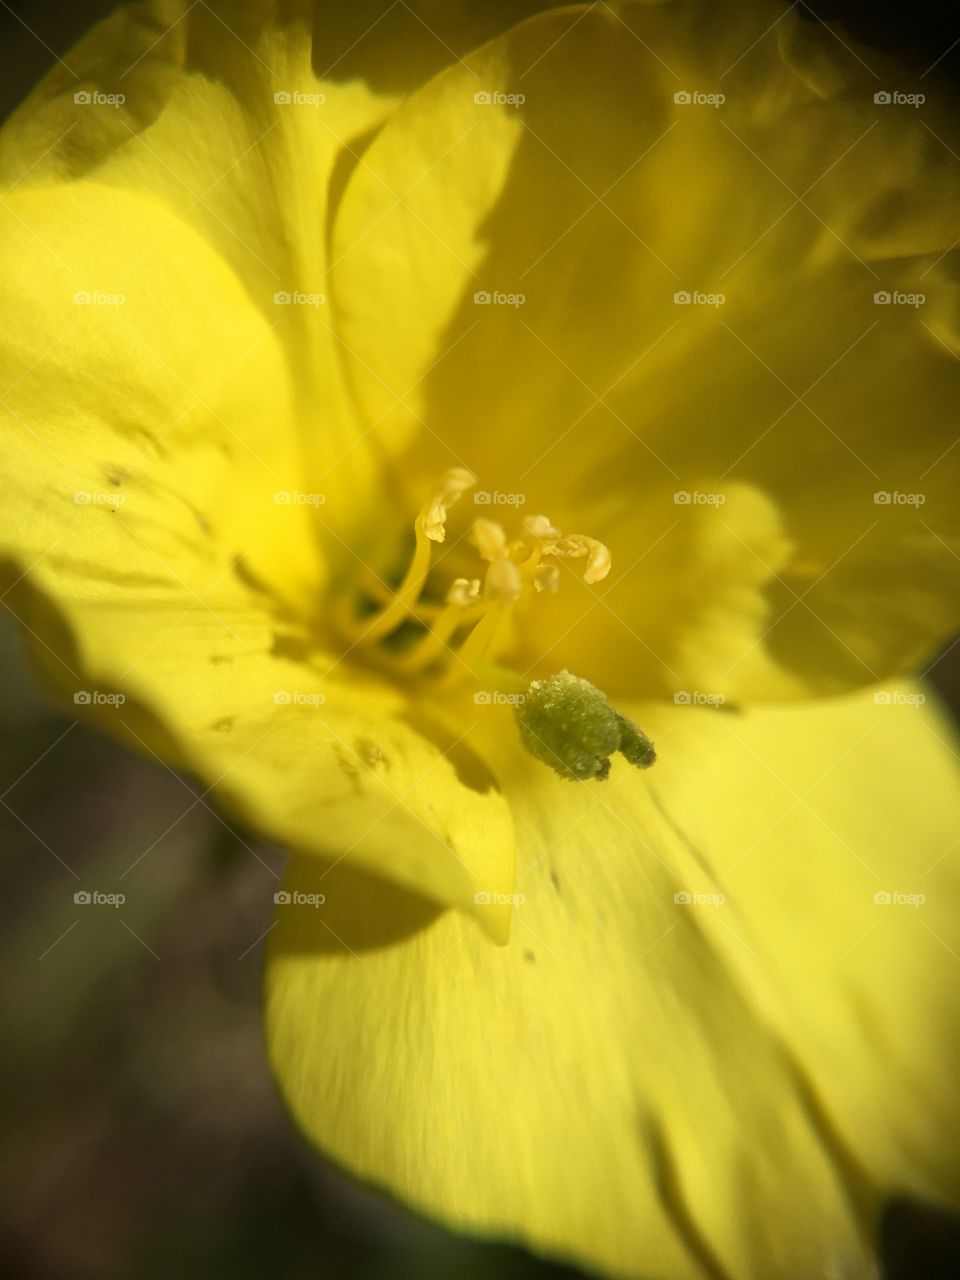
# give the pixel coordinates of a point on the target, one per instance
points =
(564, 721)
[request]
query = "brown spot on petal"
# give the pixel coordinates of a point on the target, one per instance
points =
(348, 767)
(370, 753)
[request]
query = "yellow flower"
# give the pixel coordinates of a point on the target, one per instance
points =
(279, 285)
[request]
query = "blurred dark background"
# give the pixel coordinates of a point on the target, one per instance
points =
(142, 1133)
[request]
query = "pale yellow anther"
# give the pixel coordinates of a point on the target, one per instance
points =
(451, 485)
(463, 592)
(546, 577)
(599, 559)
(539, 527)
(474, 619)
(489, 539)
(504, 584)
(598, 555)
(549, 541)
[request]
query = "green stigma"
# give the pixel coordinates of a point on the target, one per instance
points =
(569, 724)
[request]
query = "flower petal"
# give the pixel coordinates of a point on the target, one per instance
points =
(183, 116)
(303, 748)
(180, 441)
(546, 301)
(651, 1079)
(242, 118)
(148, 418)
(211, 140)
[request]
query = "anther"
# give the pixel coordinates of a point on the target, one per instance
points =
(452, 485)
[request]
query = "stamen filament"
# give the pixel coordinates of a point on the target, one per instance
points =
(476, 611)
(405, 596)
(478, 644)
(424, 611)
(428, 528)
(431, 646)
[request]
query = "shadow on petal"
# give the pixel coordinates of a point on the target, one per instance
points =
(359, 911)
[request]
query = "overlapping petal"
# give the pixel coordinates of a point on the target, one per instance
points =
(181, 453)
(211, 123)
(148, 415)
(304, 748)
(719, 1032)
(193, 154)
(555, 221)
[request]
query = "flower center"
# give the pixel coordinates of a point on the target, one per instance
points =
(458, 638)
(564, 721)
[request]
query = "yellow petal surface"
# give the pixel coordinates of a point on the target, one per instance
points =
(184, 462)
(150, 555)
(148, 417)
(303, 748)
(722, 1027)
(242, 119)
(651, 314)
(168, 134)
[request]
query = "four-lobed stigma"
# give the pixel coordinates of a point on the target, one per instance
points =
(570, 724)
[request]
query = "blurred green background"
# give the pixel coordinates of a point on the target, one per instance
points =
(142, 1133)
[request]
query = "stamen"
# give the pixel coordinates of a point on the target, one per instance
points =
(540, 528)
(470, 626)
(463, 592)
(429, 527)
(598, 556)
(452, 485)
(489, 539)
(479, 646)
(503, 585)
(434, 642)
(546, 577)
(549, 541)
